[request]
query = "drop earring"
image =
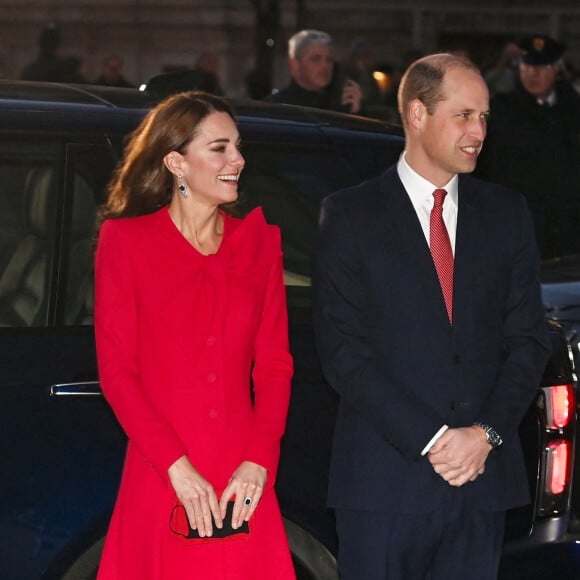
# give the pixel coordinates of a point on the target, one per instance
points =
(182, 187)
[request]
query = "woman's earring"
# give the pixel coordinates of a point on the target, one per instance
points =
(182, 187)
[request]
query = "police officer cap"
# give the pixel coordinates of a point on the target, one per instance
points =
(540, 49)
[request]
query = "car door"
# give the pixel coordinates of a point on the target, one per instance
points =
(62, 448)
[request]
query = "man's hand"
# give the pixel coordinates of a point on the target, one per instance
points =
(459, 455)
(352, 96)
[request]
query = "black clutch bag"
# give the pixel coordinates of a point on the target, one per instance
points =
(179, 525)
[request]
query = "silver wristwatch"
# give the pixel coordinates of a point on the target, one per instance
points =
(491, 435)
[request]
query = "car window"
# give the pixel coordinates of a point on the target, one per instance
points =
(89, 168)
(289, 182)
(371, 154)
(28, 208)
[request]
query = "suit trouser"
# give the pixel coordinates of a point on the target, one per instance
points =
(451, 543)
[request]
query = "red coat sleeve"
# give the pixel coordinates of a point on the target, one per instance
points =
(116, 330)
(272, 373)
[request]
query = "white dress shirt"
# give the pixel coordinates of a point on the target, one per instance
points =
(549, 101)
(420, 192)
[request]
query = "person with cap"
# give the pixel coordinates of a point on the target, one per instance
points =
(317, 80)
(533, 144)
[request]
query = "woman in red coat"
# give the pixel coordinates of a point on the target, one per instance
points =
(190, 305)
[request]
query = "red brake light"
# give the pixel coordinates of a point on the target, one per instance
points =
(557, 472)
(559, 406)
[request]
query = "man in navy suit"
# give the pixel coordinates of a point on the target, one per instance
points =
(435, 363)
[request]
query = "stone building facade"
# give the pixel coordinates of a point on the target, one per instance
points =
(156, 35)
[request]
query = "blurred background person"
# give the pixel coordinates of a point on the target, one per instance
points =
(112, 74)
(208, 65)
(502, 77)
(362, 68)
(533, 144)
(48, 65)
(73, 70)
(316, 79)
(203, 77)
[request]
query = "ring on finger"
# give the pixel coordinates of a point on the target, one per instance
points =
(248, 502)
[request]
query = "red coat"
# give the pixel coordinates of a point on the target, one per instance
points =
(177, 334)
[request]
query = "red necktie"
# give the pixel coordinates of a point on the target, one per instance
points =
(441, 250)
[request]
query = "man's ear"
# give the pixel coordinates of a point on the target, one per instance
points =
(416, 113)
(173, 162)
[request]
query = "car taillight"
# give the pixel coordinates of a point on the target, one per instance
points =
(557, 468)
(557, 422)
(559, 406)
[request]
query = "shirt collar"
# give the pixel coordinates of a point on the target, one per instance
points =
(550, 100)
(419, 189)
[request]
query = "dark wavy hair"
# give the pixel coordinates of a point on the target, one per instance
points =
(141, 183)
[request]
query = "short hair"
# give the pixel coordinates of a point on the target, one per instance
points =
(424, 77)
(301, 41)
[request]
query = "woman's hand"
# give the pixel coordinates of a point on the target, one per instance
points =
(247, 485)
(197, 496)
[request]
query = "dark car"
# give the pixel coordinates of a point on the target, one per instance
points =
(62, 449)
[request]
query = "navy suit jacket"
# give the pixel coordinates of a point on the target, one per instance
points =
(401, 370)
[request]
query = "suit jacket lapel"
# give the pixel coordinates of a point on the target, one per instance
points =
(405, 235)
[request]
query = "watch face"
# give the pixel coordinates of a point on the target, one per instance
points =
(493, 438)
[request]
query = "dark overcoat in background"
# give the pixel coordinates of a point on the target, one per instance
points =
(535, 149)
